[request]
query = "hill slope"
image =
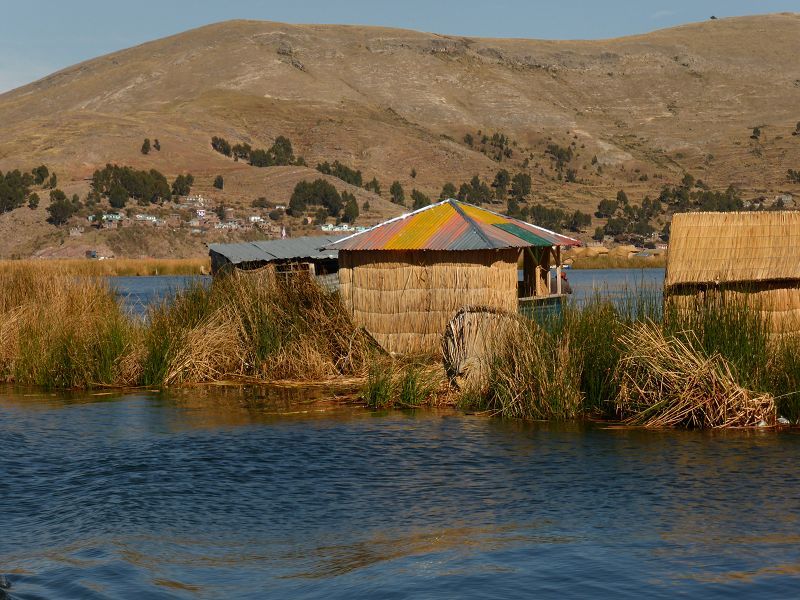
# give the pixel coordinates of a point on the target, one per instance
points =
(387, 101)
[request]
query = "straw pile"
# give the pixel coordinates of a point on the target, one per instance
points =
(668, 382)
(752, 256)
(405, 298)
(470, 343)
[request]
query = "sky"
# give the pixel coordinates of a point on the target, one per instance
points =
(38, 37)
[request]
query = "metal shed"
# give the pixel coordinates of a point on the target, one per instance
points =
(289, 253)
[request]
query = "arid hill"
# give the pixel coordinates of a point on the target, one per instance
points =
(637, 111)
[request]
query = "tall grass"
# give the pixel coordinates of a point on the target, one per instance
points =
(405, 383)
(111, 267)
(588, 362)
(59, 331)
(71, 332)
(260, 325)
(610, 358)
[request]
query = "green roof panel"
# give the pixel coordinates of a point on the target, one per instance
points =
(524, 234)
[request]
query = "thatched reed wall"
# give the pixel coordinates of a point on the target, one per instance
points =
(741, 259)
(733, 247)
(405, 298)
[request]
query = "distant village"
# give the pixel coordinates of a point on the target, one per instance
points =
(194, 213)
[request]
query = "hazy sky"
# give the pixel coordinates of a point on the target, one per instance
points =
(38, 37)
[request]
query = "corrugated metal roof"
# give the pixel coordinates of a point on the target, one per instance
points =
(308, 247)
(452, 225)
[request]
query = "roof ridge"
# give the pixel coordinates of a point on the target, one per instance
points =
(474, 226)
(392, 220)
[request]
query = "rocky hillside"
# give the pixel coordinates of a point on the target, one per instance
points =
(636, 112)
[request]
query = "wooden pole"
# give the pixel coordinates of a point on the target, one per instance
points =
(558, 270)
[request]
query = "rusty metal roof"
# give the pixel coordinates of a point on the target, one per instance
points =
(452, 225)
(308, 247)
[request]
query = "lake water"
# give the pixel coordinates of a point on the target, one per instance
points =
(270, 495)
(139, 292)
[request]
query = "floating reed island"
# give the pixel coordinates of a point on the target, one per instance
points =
(636, 360)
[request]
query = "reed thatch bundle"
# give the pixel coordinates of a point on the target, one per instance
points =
(470, 342)
(669, 382)
(405, 298)
(751, 257)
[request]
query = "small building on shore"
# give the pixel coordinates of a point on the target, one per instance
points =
(404, 279)
(288, 254)
(747, 257)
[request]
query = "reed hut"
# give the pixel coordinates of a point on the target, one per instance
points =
(748, 258)
(404, 279)
(289, 255)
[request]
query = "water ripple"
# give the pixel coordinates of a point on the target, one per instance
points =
(209, 496)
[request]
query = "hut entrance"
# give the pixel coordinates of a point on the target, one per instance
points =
(535, 280)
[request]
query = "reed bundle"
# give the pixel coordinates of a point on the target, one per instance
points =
(668, 381)
(405, 298)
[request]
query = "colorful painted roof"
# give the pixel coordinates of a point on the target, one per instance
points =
(452, 225)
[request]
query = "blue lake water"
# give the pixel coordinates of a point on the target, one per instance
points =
(270, 495)
(139, 292)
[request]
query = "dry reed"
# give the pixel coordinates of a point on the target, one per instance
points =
(668, 381)
(110, 267)
(619, 262)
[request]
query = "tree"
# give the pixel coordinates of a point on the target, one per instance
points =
(40, 174)
(448, 191)
(350, 213)
(521, 185)
(606, 209)
(397, 193)
(343, 172)
(756, 133)
(469, 140)
(146, 146)
(33, 201)
(373, 186)
(60, 209)
(260, 202)
(616, 226)
(318, 192)
(413, 173)
(241, 151)
(219, 182)
(687, 181)
(221, 145)
(513, 209)
(182, 186)
(53, 181)
(219, 210)
(157, 145)
(320, 216)
(97, 218)
(420, 200)
(365, 207)
(622, 198)
(577, 221)
(599, 234)
(14, 189)
(500, 184)
(282, 151)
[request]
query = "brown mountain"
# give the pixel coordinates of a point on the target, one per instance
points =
(387, 101)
